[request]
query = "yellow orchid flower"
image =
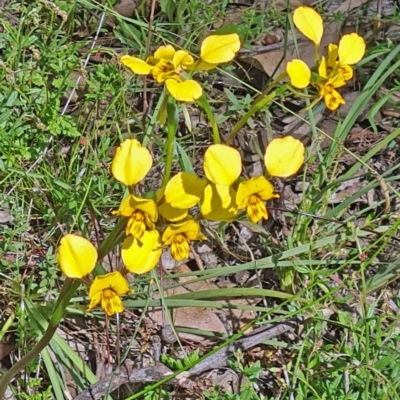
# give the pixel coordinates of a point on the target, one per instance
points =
(350, 51)
(327, 90)
(106, 291)
(76, 256)
(178, 236)
(337, 64)
(333, 76)
(164, 64)
(351, 47)
(174, 67)
(284, 157)
(184, 190)
(131, 162)
(333, 71)
(141, 255)
(168, 66)
(331, 96)
(218, 203)
(251, 196)
(222, 164)
(142, 214)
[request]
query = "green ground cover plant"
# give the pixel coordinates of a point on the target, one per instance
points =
(122, 153)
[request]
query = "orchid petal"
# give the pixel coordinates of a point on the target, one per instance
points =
(141, 255)
(184, 190)
(351, 49)
(217, 49)
(186, 91)
(309, 23)
(137, 65)
(222, 164)
(131, 162)
(299, 73)
(284, 157)
(76, 256)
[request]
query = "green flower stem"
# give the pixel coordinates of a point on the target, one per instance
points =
(206, 107)
(316, 54)
(6, 326)
(113, 238)
(299, 94)
(256, 107)
(172, 125)
(270, 86)
(68, 290)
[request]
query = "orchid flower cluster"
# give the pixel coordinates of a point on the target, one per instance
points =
(175, 215)
(152, 224)
(332, 72)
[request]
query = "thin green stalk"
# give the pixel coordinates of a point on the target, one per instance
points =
(83, 203)
(316, 54)
(68, 290)
(206, 107)
(112, 239)
(6, 326)
(256, 107)
(270, 86)
(172, 125)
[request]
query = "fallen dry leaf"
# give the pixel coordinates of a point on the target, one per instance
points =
(126, 7)
(274, 62)
(5, 217)
(6, 349)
